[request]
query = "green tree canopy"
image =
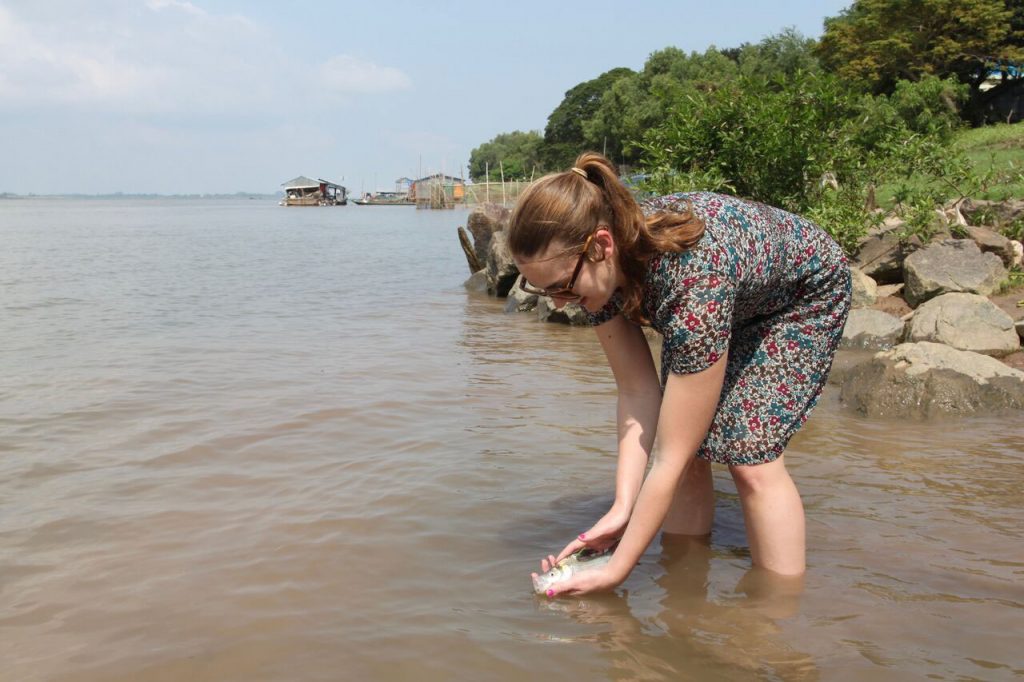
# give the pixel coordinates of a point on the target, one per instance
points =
(515, 154)
(783, 54)
(875, 43)
(638, 101)
(563, 136)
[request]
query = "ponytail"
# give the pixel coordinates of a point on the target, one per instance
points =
(568, 206)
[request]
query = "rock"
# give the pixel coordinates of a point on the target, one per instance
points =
(501, 269)
(954, 265)
(871, 330)
(518, 301)
(483, 221)
(880, 255)
(1018, 253)
(865, 291)
(844, 361)
(981, 212)
(570, 313)
(993, 242)
(477, 281)
(894, 305)
(890, 290)
(965, 322)
(931, 379)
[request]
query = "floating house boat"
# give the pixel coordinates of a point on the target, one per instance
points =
(385, 199)
(303, 191)
(438, 191)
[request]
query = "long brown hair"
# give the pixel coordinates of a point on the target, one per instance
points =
(568, 207)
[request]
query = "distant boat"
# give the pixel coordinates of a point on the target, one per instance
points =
(385, 199)
(303, 191)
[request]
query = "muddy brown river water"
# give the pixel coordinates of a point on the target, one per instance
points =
(243, 442)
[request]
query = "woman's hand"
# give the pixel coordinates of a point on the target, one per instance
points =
(602, 535)
(596, 580)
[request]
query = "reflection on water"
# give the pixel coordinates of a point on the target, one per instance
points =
(234, 450)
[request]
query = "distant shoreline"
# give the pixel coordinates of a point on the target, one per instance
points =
(124, 195)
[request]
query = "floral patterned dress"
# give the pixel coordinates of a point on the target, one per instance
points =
(768, 286)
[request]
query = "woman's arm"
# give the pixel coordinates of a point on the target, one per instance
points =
(639, 398)
(687, 408)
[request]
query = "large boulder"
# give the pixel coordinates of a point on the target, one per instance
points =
(868, 329)
(519, 301)
(865, 290)
(880, 255)
(921, 380)
(570, 313)
(483, 221)
(501, 269)
(950, 266)
(993, 242)
(925, 379)
(966, 322)
(477, 281)
(981, 212)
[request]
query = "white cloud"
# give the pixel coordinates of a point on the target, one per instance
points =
(186, 7)
(41, 65)
(347, 74)
(167, 57)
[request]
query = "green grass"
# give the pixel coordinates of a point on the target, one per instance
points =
(998, 149)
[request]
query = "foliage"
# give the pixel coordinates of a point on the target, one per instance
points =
(930, 106)
(810, 144)
(516, 154)
(876, 43)
(784, 54)
(998, 149)
(563, 136)
(640, 101)
(992, 157)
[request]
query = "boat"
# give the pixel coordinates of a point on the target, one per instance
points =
(303, 191)
(385, 199)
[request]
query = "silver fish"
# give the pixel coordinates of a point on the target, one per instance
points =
(585, 559)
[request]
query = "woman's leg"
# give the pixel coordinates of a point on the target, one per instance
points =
(774, 516)
(693, 507)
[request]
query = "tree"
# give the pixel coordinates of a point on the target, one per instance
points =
(516, 155)
(783, 54)
(563, 136)
(636, 102)
(875, 43)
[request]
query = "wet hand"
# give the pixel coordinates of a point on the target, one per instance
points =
(602, 535)
(599, 580)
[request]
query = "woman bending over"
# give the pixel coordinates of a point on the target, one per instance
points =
(750, 301)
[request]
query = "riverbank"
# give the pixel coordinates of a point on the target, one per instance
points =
(943, 314)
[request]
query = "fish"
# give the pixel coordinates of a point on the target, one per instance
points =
(585, 559)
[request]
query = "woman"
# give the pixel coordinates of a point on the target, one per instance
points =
(751, 303)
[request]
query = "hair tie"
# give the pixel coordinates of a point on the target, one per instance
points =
(579, 171)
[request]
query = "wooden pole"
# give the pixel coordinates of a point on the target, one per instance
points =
(501, 167)
(487, 180)
(467, 248)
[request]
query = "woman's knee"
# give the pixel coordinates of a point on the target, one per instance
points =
(754, 478)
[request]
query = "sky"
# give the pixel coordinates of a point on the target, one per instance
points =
(223, 96)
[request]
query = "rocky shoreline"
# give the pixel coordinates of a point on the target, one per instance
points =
(942, 317)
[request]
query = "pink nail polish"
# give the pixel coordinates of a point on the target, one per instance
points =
(583, 536)
(551, 593)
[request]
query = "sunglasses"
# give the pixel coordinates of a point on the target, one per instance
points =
(563, 292)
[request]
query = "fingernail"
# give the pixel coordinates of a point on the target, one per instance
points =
(551, 593)
(583, 536)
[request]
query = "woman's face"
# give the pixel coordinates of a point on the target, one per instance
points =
(552, 270)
